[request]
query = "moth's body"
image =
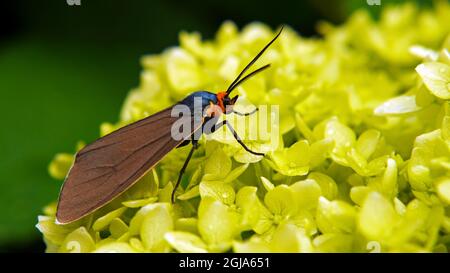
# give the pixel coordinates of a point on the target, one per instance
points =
(109, 166)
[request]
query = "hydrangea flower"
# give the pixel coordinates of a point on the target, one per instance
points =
(363, 162)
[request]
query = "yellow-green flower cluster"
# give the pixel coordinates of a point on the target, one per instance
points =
(364, 161)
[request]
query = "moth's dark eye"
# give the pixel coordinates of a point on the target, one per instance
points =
(226, 101)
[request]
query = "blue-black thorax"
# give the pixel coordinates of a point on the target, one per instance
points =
(205, 98)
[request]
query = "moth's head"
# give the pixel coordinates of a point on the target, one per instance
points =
(225, 102)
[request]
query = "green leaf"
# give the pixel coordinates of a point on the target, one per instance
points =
(183, 70)
(333, 243)
(187, 224)
(217, 190)
(53, 232)
(306, 193)
(320, 151)
(288, 238)
(367, 143)
(328, 186)
(292, 161)
(377, 217)
(267, 184)
(335, 216)
(165, 194)
(446, 128)
(303, 128)
(386, 187)
(359, 193)
(397, 106)
(250, 208)
(192, 193)
(281, 201)
(115, 247)
(443, 189)
(139, 203)
(155, 223)
(343, 137)
(413, 220)
(235, 173)
(117, 228)
(195, 178)
(136, 221)
(389, 180)
(60, 165)
(137, 244)
(146, 187)
(429, 149)
(78, 241)
(254, 245)
(218, 164)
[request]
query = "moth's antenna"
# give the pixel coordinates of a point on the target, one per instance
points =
(236, 81)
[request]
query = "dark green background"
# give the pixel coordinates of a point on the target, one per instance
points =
(65, 69)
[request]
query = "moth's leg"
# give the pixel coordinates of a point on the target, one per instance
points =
(186, 162)
(236, 136)
(246, 114)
